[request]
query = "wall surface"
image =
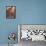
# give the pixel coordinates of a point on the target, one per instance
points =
(27, 12)
(6, 25)
(31, 11)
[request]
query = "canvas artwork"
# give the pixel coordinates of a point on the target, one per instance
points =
(33, 32)
(10, 12)
(12, 38)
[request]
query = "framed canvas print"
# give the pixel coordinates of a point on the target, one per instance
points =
(32, 32)
(10, 12)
